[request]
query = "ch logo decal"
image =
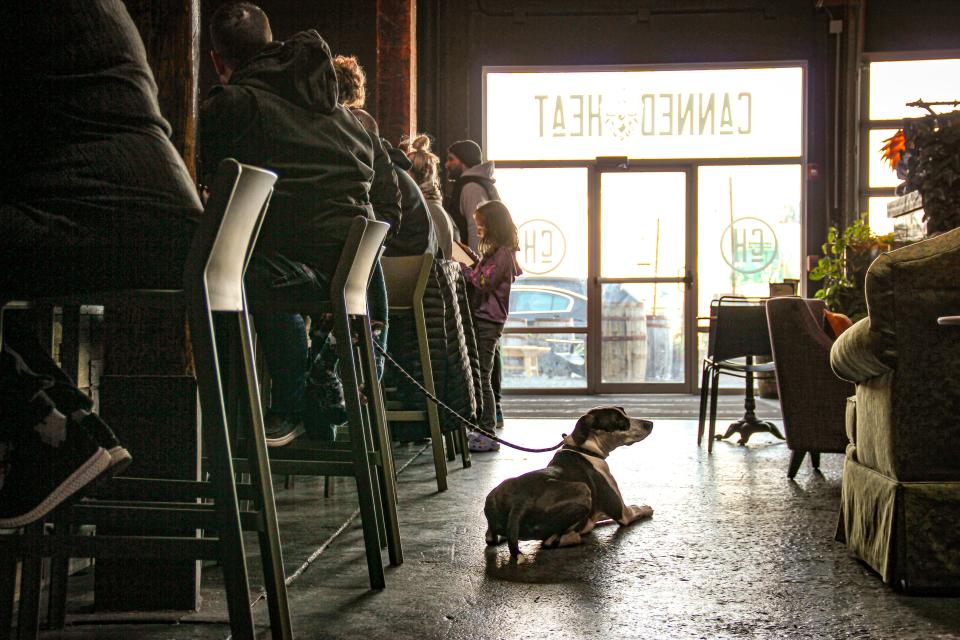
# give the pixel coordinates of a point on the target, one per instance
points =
(542, 246)
(749, 245)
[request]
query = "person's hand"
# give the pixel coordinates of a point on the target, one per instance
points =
(470, 252)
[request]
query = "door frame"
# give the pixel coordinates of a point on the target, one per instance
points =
(595, 281)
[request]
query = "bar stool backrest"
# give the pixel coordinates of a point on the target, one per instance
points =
(228, 232)
(739, 328)
(403, 275)
(360, 253)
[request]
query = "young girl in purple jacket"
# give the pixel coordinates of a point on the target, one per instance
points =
(491, 277)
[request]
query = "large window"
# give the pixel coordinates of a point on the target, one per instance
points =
(891, 85)
(640, 195)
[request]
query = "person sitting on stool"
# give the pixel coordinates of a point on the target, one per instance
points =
(96, 198)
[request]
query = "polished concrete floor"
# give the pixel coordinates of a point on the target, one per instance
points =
(734, 550)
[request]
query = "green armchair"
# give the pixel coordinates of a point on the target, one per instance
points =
(900, 501)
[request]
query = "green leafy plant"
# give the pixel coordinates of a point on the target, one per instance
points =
(846, 256)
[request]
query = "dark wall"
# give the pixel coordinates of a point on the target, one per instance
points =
(348, 26)
(895, 25)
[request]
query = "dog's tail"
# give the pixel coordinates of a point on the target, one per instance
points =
(513, 530)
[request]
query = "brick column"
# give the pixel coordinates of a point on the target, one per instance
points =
(397, 68)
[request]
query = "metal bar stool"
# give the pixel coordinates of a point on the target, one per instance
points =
(738, 329)
(368, 456)
(213, 287)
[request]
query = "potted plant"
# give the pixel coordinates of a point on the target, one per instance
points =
(847, 255)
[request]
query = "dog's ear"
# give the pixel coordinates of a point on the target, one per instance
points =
(584, 425)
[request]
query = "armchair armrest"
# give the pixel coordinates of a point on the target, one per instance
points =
(855, 354)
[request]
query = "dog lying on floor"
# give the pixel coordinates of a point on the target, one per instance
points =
(563, 502)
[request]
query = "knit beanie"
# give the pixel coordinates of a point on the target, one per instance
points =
(468, 151)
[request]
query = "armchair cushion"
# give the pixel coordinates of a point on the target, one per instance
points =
(855, 356)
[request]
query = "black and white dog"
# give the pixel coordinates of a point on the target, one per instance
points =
(564, 501)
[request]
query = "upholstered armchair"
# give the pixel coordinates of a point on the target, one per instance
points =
(900, 501)
(812, 398)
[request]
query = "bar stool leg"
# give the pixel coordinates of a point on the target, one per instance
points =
(451, 446)
(28, 621)
(463, 447)
(358, 445)
(704, 391)
(216, 438)
(8, 585)
(268, 531)
(714, 383)
(59, 575)
(388, 476)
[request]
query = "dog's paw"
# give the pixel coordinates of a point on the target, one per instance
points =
(642, 511)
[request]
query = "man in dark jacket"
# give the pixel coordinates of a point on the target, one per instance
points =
(277, 108)
(473, 184)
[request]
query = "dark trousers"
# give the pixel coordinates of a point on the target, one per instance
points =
(496, 379)
(488, 341)
(284, 337)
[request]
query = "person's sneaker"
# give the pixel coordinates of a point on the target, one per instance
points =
(324, 408)
(499, 418)
(41, 477)
(103, 435)
(479, 443)
(282, 430)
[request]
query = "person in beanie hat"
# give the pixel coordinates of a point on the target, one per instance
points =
(473, 184)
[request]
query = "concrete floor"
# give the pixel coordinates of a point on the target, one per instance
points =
(734, 550)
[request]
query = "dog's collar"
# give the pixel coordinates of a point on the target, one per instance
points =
(570, 445)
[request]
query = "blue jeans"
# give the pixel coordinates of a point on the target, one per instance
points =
(284, 335)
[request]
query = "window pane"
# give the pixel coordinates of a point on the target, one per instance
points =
(643, 219)
(642, 333)
(881, 175)
(880, 224)
(749, 230)
(549, 207)
(544, 360)
(893, 84)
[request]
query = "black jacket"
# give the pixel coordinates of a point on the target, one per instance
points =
(86, 151)
(415, 234)
(280, 112)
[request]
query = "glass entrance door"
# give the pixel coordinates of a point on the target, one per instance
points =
(641, 298)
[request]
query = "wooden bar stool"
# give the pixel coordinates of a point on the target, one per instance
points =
(213, 288)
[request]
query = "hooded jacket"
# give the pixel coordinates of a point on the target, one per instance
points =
(474, 186)
(280, 112)
(90, 160)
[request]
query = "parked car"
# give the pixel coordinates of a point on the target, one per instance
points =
(544, 302)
